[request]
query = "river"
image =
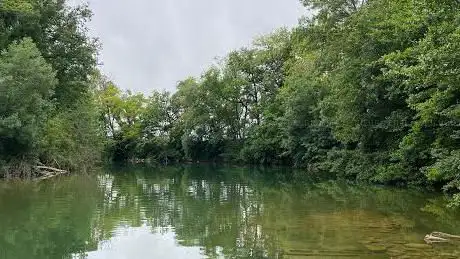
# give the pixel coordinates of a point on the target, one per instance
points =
(209, 212)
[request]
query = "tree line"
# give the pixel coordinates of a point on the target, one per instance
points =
(365, 90)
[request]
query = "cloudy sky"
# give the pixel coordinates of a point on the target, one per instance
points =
(152, 44)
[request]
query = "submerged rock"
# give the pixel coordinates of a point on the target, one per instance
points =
(418, 246)
(395, 252)
(376, 248)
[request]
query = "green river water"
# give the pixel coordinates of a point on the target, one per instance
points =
(206, 212)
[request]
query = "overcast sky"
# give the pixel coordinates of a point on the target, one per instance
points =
(152, 44)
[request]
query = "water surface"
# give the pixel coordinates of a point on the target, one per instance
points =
(205, 212)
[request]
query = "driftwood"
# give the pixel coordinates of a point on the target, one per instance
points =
(46, 172)
(47, 168)
(439, 237)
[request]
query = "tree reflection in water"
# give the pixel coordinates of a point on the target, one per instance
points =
(222, 212)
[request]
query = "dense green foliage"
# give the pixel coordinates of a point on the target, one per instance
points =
(365, 90)
(47, 113)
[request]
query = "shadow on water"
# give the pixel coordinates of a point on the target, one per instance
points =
(217, 212)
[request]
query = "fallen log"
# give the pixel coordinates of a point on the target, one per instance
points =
(440, 237)
(41, 167)
(47, 172)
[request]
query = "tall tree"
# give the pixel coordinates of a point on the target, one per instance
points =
(26, 86)
(61, 36)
